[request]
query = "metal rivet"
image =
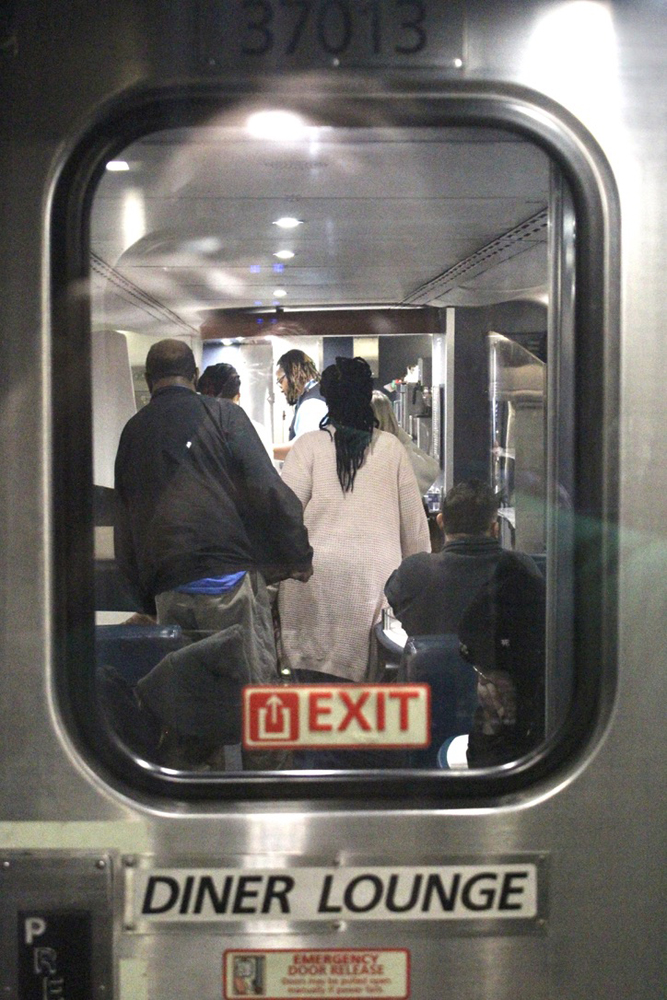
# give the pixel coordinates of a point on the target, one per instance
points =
(130, 861)
(101, 863)
(5, 866)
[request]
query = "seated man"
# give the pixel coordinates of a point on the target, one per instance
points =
(429, 592)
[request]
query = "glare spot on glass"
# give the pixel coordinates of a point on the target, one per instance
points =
(276, 126)
(203, 245)
(288, 222)
(133, 217)
(117, 166)
(572, 54)
(224, 282)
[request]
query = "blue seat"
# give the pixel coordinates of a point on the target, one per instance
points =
(435, 660)
(135, 649)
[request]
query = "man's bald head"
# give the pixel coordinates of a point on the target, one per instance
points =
(170, 359)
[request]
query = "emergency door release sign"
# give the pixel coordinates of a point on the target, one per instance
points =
(337, 715)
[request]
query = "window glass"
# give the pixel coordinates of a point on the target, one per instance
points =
(327, 369)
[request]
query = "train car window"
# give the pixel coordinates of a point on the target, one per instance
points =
(332, 437)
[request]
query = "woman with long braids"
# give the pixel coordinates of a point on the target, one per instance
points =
(364, 515)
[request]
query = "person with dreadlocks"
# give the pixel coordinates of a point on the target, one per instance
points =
(299, 380)
(364, 514)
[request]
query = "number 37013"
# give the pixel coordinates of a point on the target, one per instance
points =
(333, 26)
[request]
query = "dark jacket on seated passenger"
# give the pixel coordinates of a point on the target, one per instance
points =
(429, 592)
(197, 496)
(502, 634)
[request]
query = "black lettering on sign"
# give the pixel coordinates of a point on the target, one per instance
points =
(277, 887)
(508, 890)
(372, 11)
(357, 28)
(334, 27)
(303, 11)
(207, 888)
(447, 902)
(392, 905)
(411, 25)
(323, 905)
(154, 887)
(187, 893)
(244, 893)
(483, 897)
(257, 28)
(363, 905)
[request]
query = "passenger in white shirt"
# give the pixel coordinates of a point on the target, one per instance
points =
(299, 380)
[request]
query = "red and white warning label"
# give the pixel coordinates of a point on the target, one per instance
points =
(340, 715)
(330, 972)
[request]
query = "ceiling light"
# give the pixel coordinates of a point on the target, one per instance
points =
(279, 293)
(284, 254)
(276, 125)
(288, 222)
(116, 166)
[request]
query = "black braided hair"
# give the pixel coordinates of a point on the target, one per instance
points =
(347, 388)
(221, 380)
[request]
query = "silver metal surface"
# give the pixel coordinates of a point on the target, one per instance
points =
(599, 69)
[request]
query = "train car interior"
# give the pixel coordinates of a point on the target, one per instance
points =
(428, 251)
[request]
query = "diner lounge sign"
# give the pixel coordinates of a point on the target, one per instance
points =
(461, 892)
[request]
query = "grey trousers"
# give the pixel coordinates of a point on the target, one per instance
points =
(247, 605)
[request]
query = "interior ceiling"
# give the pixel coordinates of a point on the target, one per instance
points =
(189, 227)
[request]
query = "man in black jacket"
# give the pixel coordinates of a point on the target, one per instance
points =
(202, 518)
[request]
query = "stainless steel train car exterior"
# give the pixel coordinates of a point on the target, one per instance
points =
(576, 828)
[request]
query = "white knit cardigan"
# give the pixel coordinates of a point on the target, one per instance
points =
(358, 538)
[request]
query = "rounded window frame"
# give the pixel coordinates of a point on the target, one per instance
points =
(595, 399)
